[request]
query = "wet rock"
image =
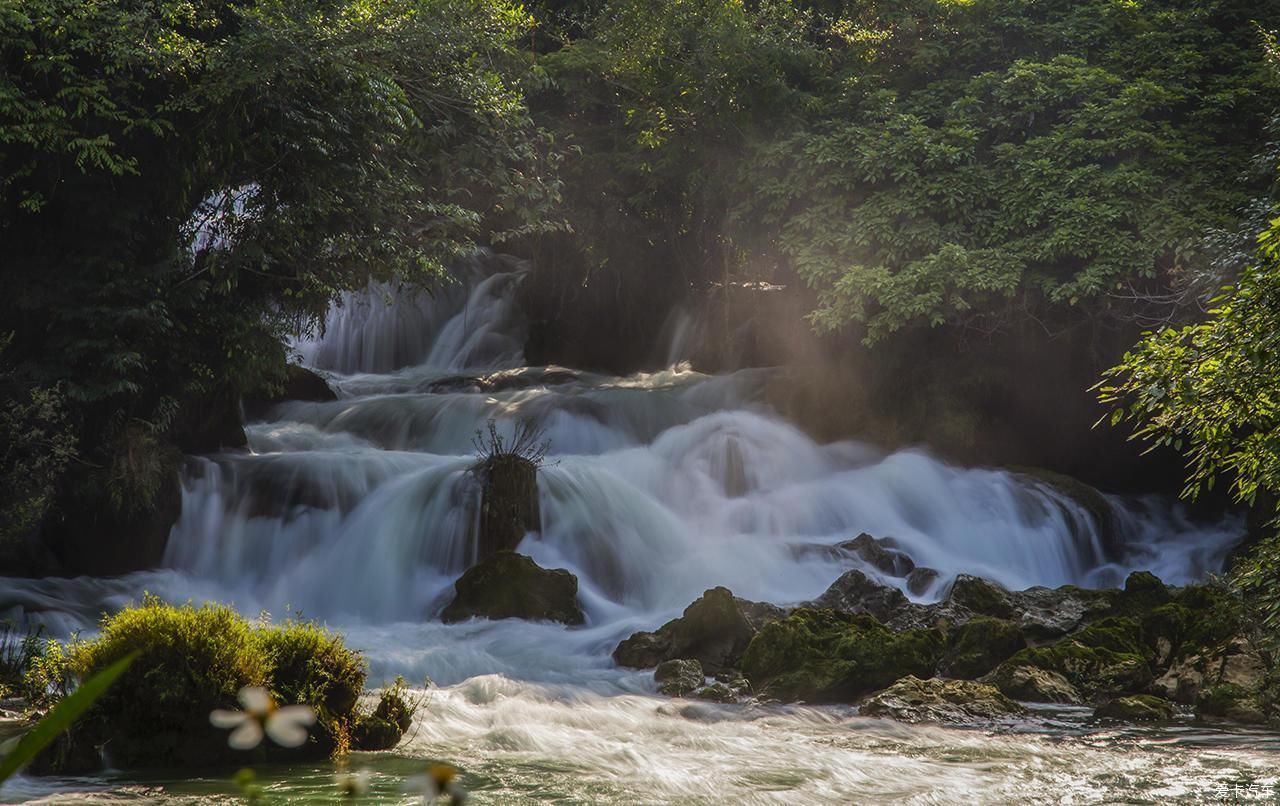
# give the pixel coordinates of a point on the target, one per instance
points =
(920, 580)
(510, 585)
(1050, 613)
(718, 692)
(300, 383)
(939, 700)
(882, 553)
(508, 503)
(676, 678)
(1135, 708)
(829, 656)
(980, 645)
(714, 630)
(1143, 592)
(1231, 703)
(375, 733)
(980, 596)
(1032, 684)
(855, 592)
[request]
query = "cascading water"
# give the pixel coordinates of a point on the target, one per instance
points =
(362, 512)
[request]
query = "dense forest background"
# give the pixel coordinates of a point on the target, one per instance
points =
(947, 218)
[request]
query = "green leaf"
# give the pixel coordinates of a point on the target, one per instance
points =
(62, 716)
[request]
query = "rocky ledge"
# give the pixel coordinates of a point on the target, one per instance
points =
(1135, 653)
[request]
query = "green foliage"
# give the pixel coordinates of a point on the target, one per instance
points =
(1212, 391)
(979, 163)
(311, 664)
(36, 445)
(192, 660)
(185, 184)
(62, 717)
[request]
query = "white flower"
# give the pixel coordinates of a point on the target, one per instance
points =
(286, 726)
(440, 781)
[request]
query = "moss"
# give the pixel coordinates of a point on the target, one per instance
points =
(1104, 659)
(980, 645)
(311, 664)
(510, 585)
(981, 596)
(1230, 702)
(826, 656)
(192, 660)
(1136, 708)
(390, 720)
(1143, 591)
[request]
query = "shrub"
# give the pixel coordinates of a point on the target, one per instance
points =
(192, 660)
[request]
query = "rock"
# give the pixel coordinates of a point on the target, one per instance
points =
(881, 553)
(300, 383)
(1031, 684)
(717, 692)
(510, 585)
(1143, 592)
(1231, 703)
(938, 700)
(714, 630)
(855, 592)
(508, 503)
(829, 656)
(1103, 660)
(921, 579)
(1049, 613)
(375, 733)
(981, 596)
(676, 678)
(1135, 708)
(980, 645)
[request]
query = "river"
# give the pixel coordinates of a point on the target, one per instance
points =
(361, 513)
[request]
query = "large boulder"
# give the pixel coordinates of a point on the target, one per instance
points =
(714, 630)
(299, 383)
(980, 645)
(829, 656)
(510, 585)
(1033, 684)
(939, 700)
(508, 503)
(1105, 659)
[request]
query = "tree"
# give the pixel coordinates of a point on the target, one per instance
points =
(185, 184)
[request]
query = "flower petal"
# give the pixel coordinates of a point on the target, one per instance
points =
(255, 699)
(286, 734)
(247, 736)
(222, 718)
(297, 714)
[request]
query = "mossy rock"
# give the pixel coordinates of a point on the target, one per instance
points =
(676, 678)
(1143, 591)
(1231, 703)
(827, 656)
(715, 630)
(1033, 684)
(190, 662)
(1104, 660)
(939, 700)
(374, 733)
(980, 645)
(982, 597)
(510, 585)
(1135, 708)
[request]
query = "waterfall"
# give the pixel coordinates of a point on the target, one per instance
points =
(658, 486)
